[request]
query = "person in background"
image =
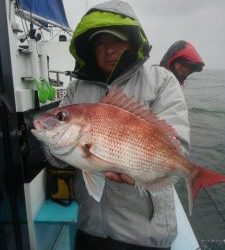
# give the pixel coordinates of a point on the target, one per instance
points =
(182, 59)
(111, 51)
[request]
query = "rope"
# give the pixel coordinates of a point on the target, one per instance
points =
(204, 242)
(213, 202)
(86, 4)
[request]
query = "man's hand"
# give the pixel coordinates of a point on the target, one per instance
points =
(121, 178)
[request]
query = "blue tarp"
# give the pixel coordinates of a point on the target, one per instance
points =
(49, 9)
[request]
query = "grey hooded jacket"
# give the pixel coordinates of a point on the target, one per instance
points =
(123, 214)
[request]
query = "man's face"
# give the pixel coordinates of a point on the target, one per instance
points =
(108, 50)
(182, 71)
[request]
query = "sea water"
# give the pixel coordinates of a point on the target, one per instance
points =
(205, 96)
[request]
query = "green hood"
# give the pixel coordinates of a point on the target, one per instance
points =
(107, 15)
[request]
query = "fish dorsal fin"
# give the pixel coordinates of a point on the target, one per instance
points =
(117, 98)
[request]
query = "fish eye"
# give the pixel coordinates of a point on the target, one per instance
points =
(62, 116)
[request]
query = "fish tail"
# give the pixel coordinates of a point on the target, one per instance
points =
(201, 178)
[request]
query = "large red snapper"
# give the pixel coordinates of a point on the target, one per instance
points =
(119, 135)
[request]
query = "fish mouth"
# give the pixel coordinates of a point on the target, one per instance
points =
(55, 148)
(53, 140)
(37, 133)
(41, 126)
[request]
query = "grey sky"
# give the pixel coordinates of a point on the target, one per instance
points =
(201, 22)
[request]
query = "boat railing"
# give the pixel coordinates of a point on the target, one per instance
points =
(57, 81)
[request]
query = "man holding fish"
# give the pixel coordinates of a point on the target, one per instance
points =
(137, 143)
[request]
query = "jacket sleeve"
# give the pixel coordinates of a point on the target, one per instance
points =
(170, 105)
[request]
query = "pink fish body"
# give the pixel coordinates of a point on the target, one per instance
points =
(120, 135)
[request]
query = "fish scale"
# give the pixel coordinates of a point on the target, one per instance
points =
(108, 137)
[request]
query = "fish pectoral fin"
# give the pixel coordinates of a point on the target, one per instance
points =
(92, 157)
(160, 184)
(95, 183)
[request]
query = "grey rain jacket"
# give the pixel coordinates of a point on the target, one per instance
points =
(123, 214)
